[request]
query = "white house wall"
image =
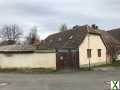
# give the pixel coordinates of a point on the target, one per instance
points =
(93, 42)
(32, 60)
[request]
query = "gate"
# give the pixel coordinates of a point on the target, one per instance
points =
(67, 59)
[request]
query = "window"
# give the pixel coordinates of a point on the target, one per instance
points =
(89, 53)
(99, 52)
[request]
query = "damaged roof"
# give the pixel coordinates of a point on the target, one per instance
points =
(73, 38)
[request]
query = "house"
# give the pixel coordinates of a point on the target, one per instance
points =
(81, 46)
(26, 56)
(116, 34)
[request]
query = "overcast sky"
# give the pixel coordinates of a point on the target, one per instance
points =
(48, 15)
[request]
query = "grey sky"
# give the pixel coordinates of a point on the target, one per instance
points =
(48, 15)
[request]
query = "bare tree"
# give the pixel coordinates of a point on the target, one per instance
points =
(32, 38)
(11, 33)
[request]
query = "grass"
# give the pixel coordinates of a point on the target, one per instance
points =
(27, 70)
(113, 64)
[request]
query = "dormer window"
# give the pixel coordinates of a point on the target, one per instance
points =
(59, 39)
(71, 37)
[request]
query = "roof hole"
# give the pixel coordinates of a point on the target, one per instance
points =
(71, 37)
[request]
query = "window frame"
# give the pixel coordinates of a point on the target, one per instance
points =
(99, 52)
(89, 53)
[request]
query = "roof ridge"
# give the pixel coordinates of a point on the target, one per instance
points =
(68, 30)
(114, 29)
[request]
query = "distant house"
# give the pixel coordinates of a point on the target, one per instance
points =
(81, 46)
(116, 34)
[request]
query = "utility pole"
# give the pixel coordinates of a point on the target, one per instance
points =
(89, 47)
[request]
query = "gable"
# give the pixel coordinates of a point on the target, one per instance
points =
(93, 41)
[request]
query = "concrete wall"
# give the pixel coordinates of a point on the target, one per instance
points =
(93, 42)
(28, 60)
